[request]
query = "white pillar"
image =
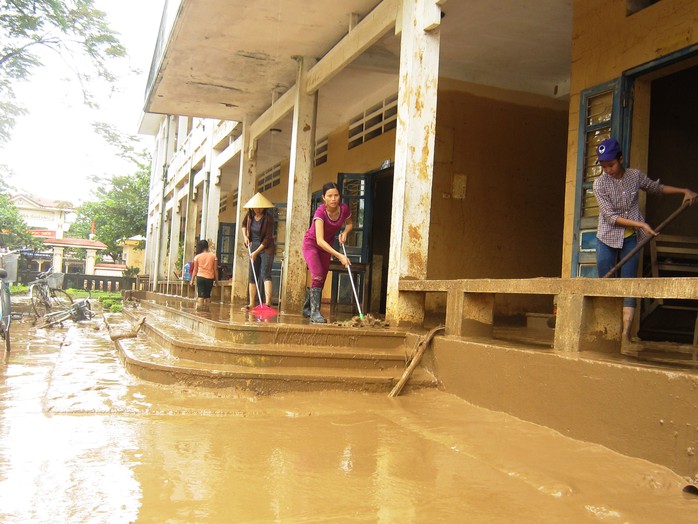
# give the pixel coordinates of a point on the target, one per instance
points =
(246, 186)
(160, 170)
(57, 259)
(162, 266)
(414, 157)
(192, 212)
(300, 176)
(175, 232)
(90, 261)
(213, 205)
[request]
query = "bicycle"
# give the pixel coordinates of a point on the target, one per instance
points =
(5, 310)
(78, 310)
(47, 294)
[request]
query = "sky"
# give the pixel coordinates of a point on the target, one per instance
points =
(54, 150)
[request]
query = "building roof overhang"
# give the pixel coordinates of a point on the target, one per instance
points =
(228, 59)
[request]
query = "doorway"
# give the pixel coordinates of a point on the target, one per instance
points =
(380, 240)
(672, 151)
(369, 195)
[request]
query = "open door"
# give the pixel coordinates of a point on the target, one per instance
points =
(357, 194)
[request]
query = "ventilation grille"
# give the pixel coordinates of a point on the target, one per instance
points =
(321, 151)
(270, 178)
(373, 122)
(223, 205)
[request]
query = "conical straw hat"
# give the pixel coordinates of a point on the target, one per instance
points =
(258, 201)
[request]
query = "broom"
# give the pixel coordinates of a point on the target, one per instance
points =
(261, 309)
(353, 287)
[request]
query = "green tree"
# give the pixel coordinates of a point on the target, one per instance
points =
(69, 28)
(120, 211)
(13, 228)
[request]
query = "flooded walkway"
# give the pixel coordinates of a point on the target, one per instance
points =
(81, 441)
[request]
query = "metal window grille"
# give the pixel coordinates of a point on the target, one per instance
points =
(321, 151)
(269, 178)
(373, 122)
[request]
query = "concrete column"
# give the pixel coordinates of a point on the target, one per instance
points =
(213, 205)
(210, 220)
(414, 157)
(174, 233)
(57, 259)
(90, 257)
(192, 211)
(478, 315)
(163, 265)
(203, 188)
(299, 179)
(246, 186)
(160, 167)
(469, 314)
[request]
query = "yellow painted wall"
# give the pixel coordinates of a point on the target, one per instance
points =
(133, 256)
(508, 152)
(511, 157)
(605, 43)
(510, 147)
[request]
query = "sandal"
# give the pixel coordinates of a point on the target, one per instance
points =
(245, 308)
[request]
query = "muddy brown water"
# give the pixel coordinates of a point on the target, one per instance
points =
(81, 441)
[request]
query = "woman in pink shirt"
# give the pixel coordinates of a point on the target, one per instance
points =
(204, 272)
(327, 221)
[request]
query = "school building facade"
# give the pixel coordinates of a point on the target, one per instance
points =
(464, 144)
(462, 134)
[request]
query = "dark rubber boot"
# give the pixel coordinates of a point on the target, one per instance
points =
(315, 300)
(306, 304)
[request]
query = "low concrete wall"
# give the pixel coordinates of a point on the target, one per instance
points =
(635, 410)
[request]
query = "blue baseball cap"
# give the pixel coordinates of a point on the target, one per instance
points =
(608, 149)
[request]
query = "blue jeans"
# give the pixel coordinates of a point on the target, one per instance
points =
(607, 257)
(262, 266)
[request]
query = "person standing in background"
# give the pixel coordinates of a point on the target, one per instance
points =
(204, 272)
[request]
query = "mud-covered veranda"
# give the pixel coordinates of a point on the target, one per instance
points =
(83, 440)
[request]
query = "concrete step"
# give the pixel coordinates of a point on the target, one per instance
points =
(145, 358)
(183, 343)
(293, 330)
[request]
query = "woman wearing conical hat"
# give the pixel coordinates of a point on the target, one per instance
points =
(258, 236)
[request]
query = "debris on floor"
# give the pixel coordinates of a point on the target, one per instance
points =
(367, 321)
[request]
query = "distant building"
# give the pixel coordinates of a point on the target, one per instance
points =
(133, 252)
(45, 218)
(50, 220)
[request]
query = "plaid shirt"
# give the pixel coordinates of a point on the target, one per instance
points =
(619, 198)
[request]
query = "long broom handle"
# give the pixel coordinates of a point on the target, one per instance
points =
(281, 279)
(254, 274)
(351, 279)
(647, 239)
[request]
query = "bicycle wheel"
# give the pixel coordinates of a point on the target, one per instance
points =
(60, 300)
(5, 314)
(40, 303)
(5, 333)
(53, 318)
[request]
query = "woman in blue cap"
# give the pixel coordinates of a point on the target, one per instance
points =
(621, 223)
